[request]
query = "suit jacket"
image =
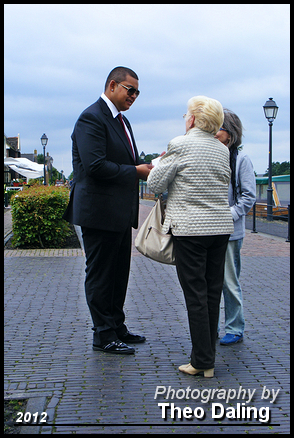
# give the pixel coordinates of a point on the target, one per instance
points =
(196, 171)
(105, 192)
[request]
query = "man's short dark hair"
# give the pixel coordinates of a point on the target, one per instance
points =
(119, 74)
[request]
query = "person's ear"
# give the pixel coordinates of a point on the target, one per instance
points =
(191, 121)
(112, 84)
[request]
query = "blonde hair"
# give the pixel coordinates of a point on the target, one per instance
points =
(209, 115)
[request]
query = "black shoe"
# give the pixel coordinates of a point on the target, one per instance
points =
(130, 338)
(115, 347)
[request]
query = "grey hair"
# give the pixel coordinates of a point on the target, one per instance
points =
(232, 124)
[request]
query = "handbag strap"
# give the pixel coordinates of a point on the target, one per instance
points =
(162, 207)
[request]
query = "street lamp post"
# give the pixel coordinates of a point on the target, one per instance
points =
(44, 141)
(270, 111)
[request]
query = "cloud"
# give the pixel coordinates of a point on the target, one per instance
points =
(57, 57)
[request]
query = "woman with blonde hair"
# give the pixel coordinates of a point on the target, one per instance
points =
(196, 172)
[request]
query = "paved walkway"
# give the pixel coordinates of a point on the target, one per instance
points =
(7, 222)
(48, 354)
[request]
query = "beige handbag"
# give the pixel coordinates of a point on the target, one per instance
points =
(151, 242)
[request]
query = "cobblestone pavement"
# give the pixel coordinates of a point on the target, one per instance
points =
(7, 222)
(48, 352)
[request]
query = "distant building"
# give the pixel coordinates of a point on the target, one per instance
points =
(32, 157)
(281, 190)
(11, 149)
(18, 165)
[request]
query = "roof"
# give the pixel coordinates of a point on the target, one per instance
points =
(278, 178)
(12, 142)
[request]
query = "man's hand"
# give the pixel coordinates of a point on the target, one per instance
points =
(143, 171)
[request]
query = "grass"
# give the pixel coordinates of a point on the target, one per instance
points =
(11, 408)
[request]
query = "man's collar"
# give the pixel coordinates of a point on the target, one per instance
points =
(110, 105)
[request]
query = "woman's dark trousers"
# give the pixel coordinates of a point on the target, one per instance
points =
(200, 267)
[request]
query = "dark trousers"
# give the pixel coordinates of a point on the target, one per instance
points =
(200, 268)
(108, 257)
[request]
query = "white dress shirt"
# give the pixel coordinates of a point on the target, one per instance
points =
(115, 113)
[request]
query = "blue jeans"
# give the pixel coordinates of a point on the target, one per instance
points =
(234, 317)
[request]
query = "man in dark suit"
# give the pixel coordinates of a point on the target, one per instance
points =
(104, 201)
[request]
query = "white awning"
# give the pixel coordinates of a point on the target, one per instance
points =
(25, 167)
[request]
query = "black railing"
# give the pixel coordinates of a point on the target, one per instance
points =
(282, 217)
(288, 238)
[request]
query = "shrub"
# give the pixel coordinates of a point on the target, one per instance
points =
(37, 217)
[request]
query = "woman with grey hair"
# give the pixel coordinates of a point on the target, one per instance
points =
(196, 172)
(242, 195)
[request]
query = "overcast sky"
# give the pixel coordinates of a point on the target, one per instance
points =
(57, 58)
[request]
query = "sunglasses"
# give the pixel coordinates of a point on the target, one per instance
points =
(131, 90)
(222, 129)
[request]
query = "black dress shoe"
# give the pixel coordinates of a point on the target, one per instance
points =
(130, 338)
(115, 347)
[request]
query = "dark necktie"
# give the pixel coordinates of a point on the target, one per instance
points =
(128, 138)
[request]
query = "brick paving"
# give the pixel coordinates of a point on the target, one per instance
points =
(7, 222)
(48, 341)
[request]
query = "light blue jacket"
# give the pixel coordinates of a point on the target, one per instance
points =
(246, 194)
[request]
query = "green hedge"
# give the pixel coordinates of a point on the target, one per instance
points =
(37, 217)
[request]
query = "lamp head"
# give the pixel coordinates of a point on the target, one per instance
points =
(44, 140)
(270, 109)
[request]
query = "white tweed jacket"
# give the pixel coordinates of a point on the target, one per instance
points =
(196, 172)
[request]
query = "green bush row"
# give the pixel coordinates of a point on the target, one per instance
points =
(37, 217)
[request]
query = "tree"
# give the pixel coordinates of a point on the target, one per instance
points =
(40, 159)
(279, 168)
(148, 158)
(55, 172)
